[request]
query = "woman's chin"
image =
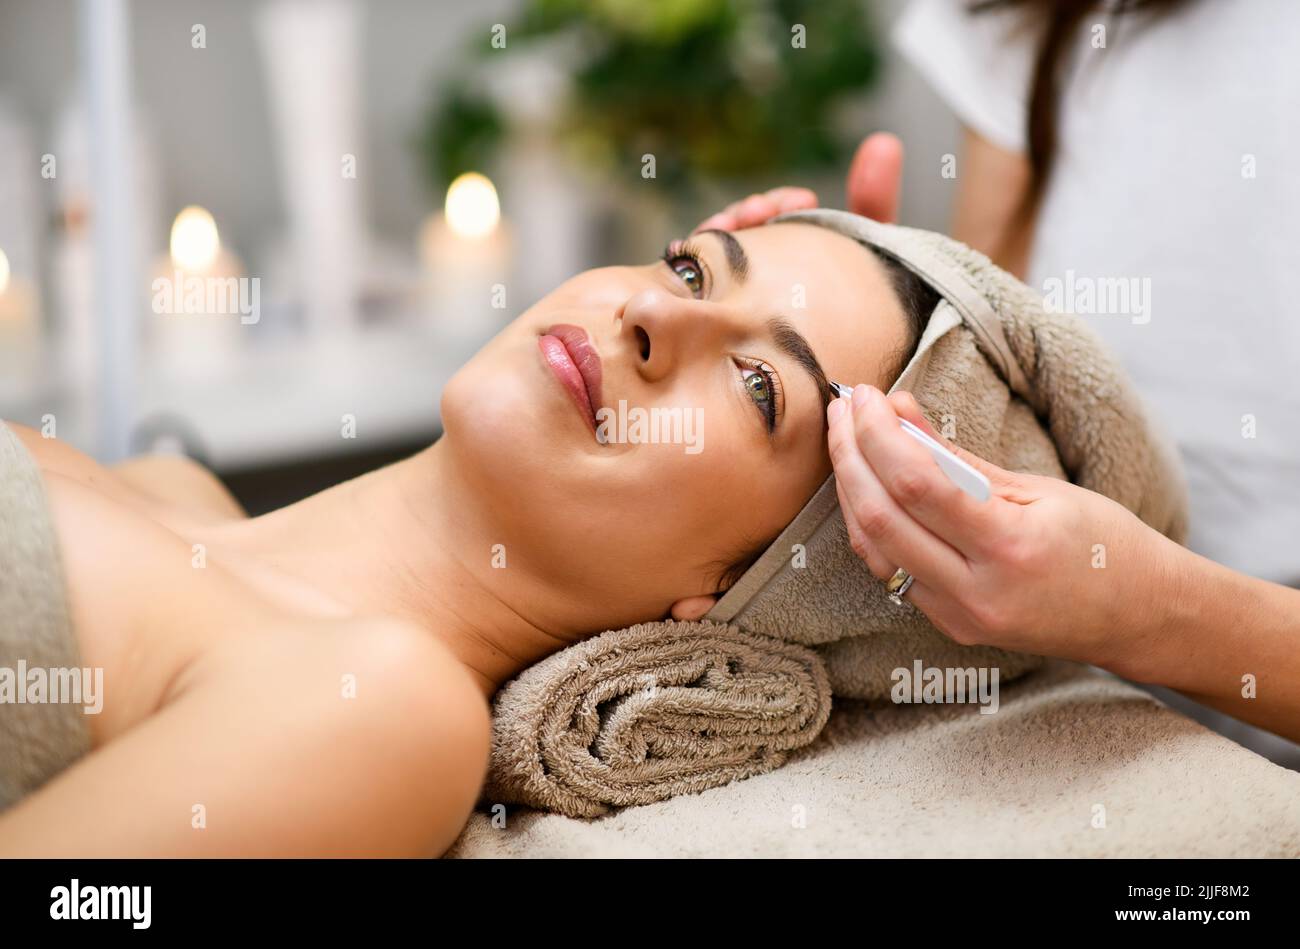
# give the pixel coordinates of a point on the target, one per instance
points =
(479, 405)
(502, 425)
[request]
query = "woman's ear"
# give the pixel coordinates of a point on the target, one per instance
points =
(693, 607)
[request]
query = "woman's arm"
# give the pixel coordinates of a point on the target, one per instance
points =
(1227, 640)
(1020, 571)
(265, 754)
(991, 187)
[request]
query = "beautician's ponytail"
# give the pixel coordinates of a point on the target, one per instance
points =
(1056, 24)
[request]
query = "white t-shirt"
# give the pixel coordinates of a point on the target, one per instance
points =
(1177, 180)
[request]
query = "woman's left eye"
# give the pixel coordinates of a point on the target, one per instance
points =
(761, 383)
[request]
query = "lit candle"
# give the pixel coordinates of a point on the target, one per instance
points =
(466, 252)
(195, 242)
(17, 306)
(196, 295)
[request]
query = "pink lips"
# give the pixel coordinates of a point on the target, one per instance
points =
(576, 364)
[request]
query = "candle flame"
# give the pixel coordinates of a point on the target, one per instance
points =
(472, 207)
(194, 241)
(4, 272)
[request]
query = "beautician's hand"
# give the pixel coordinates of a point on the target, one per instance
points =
(1020, 570)
(875, 179)
(873, 183)
(1023, 571)
(757, 208)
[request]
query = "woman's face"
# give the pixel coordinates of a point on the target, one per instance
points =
(731, 339)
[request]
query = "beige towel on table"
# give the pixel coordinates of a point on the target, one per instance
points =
(1074, 764)
(637, 716)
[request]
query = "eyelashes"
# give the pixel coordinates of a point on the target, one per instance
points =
(760, 380)
(765, 383)
(684, 259)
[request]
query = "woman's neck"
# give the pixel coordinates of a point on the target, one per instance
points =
(409, 540)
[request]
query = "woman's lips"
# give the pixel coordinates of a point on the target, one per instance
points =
(576, 364)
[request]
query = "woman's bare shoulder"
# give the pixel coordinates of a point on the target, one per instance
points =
(180, 481)
(393, 675)
(373, 707)
(160, 481)
(312, 739)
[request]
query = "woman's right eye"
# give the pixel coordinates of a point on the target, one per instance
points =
(686, 264)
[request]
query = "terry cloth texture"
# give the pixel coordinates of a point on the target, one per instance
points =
(651, 711)
(37, 740)
(1027, 389)
(1075, 763)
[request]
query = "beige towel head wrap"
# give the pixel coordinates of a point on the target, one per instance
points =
(595, 725)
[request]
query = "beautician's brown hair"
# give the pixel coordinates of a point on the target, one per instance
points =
(1056, 23)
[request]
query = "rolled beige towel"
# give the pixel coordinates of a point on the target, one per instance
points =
(642, 714)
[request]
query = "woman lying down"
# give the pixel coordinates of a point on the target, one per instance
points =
(316, 680)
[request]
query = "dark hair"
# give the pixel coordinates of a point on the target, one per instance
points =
(918, 300)
(1057, 23)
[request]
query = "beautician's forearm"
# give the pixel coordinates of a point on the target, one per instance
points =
(986, 212)
(1215, 628)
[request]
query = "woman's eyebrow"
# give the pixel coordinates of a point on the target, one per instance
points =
(737, 259)
(791, 342)
(785, 337)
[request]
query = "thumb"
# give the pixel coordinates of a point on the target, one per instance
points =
(876, 177)
(906, 406)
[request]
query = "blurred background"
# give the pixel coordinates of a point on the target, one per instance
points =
(265, 232)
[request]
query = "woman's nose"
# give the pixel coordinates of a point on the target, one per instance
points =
(664, 329)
